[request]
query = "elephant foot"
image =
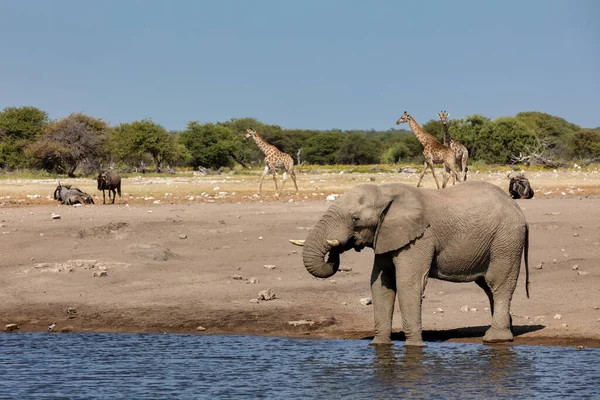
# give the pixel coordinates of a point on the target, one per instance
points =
(377, 341)
(495, 335)
(414, 343)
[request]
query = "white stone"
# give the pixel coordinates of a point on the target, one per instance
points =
(183, 236)
(464, 308)
(269, 266)
(301, 322)
(200, 328)
(575, 267)
(557, 316)
(366, 301)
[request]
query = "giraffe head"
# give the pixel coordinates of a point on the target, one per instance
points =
(249, 133)
(404, 118)
(444, 116)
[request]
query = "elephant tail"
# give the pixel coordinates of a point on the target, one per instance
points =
(526, 256)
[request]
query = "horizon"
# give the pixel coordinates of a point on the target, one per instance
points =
(315, 65)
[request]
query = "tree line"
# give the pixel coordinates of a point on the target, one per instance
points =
(83, 144)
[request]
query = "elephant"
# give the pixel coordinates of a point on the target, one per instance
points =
(473, 232)
(111, 181)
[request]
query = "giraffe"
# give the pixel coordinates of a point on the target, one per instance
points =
(274, 160)
(460, 151)
(434, 151)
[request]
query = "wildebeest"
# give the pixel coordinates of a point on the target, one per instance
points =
(67, 195)
(519, 187)
(111, 181)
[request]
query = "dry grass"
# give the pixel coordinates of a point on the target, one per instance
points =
(313, 183)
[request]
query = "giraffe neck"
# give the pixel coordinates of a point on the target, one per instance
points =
(419, 132)
(262, 145)
(447, 137)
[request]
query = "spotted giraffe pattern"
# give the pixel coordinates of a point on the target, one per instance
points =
(460, 151)
(274, 160)
(433, 151)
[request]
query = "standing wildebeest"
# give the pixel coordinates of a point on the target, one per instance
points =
(67, 195)
(111, 181)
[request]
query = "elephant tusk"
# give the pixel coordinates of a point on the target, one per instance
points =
(297, 242)
(333, 243)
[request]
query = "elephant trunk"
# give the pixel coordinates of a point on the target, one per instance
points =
(318, 245)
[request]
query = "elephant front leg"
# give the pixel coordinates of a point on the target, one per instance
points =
(383, 293)
(410, 282)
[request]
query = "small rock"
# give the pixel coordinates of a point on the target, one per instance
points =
(345, 268)
(580, 347)
(564, 325)
(464, 309)
(55, 216)
(71, 310)
(237, 277)
(439, 310)
(253, 301)
(473, 309)
(252, 280)
(576, 234)
(582, 272)
(557, 316)
(269, 266)
(344, 303)
(539, 266)
(260, 238)
(11, 327)
(366, 301)
(98, 274)
(290, 200)
(183, 236)
(575, 267)
(266, 295)
(42, 234)
(302, 322)
(200, 328)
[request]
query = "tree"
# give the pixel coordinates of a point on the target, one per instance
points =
(321, 148)
(586, 144)
(556, 132)
(210, 145)
(70, 142)
(501, 139)
(357, 149)
(132, 142)
(19, 127)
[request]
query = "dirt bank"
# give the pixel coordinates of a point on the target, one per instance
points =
(178, 265)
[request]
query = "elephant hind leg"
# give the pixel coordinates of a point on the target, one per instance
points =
(501, 285)
(483, 284)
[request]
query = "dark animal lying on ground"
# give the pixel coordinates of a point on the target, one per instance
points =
(519, 187)
(67, 195)
(111, 181)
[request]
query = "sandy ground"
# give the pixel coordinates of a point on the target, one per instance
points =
(184, 252)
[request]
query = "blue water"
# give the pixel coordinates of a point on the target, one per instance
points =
(145, 366)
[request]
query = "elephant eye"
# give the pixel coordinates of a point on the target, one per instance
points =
(355, 218)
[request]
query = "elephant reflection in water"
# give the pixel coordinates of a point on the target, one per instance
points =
(414, 371)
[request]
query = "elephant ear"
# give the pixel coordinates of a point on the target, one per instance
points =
(402, 221)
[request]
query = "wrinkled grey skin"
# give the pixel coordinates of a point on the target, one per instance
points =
(470, 232)
(67, 195)
(111, 181)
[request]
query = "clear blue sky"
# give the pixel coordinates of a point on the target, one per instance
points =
(316, 64)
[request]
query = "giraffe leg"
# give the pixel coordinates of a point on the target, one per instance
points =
(275, 180)
(293, 175)
(284, 179)
(261, 179)
(422, 173)
(465, 157)
(433, 173)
